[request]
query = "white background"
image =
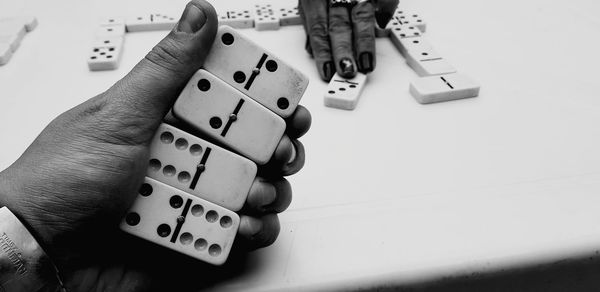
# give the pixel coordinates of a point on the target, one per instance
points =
(393, 192)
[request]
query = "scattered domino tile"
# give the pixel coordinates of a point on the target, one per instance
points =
(200, 168)
(105, 54)
(265, 18)
(413, 44)
(5, 53)
(422, 53)
(29, 21)
(407, 18)
(220, 111)
(12, 32)
(163, 22)
(289, 16)
(237, 19)
(151, 22)
(398, 31)
(112, 21)
(443, 88)
(427, 62)
(179, 221)
(344, 93)
(430, 67)
(256, 72)
(114, 30)
(138, 23)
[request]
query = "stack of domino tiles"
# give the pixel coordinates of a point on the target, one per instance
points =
(12, 32)
(109, 37)
(193, 188)
(439, 80)
(261, 17)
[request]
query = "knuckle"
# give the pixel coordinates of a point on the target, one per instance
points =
(365, 36)
(338, 24)
(168, 55)
(318, 29)
(363, 14)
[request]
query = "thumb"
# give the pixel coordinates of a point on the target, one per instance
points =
(151, 88)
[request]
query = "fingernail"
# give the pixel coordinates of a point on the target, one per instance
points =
(192, 20)
(328, 70)
(347, 66)
(366, 62)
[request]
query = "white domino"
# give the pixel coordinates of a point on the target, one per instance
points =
(289, 16)
(398, 31)
(427, 62)
(12, 32)
(413, 44)
(151, 22)
(344, 93)
(237, 19)
(163, 21)
(139, 23)
(228, 116)
(184, 223)
(30, 22)
(430, 67)
(200, 168)
(105, 54)
(265, 18)
(443, 88)
(409, 18)
(256, 72)
(112, 21)
(5, 53)
(108, 31)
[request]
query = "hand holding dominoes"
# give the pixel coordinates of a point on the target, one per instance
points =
(82, 174)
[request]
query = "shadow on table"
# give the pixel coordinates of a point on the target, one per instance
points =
(569, 275)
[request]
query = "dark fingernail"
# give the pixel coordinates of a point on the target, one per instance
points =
(328, 70)
(192, 20)
(366, 62)
(347, 66)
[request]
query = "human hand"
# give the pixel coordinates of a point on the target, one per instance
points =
(72, 186)
(342, 39)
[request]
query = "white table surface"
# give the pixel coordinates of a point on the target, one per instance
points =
(394, 192)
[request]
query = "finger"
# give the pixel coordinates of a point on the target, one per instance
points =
(316, 26)
(384, 10)
(307, 44)
(299, 123)
(363, 22)
(288, 163)
(296, 163)
(262, 194)
(340, 33)
(150, 89)
(258, 232)
(307, 47)
(268, 196)
(281, 156)
(283, 198)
